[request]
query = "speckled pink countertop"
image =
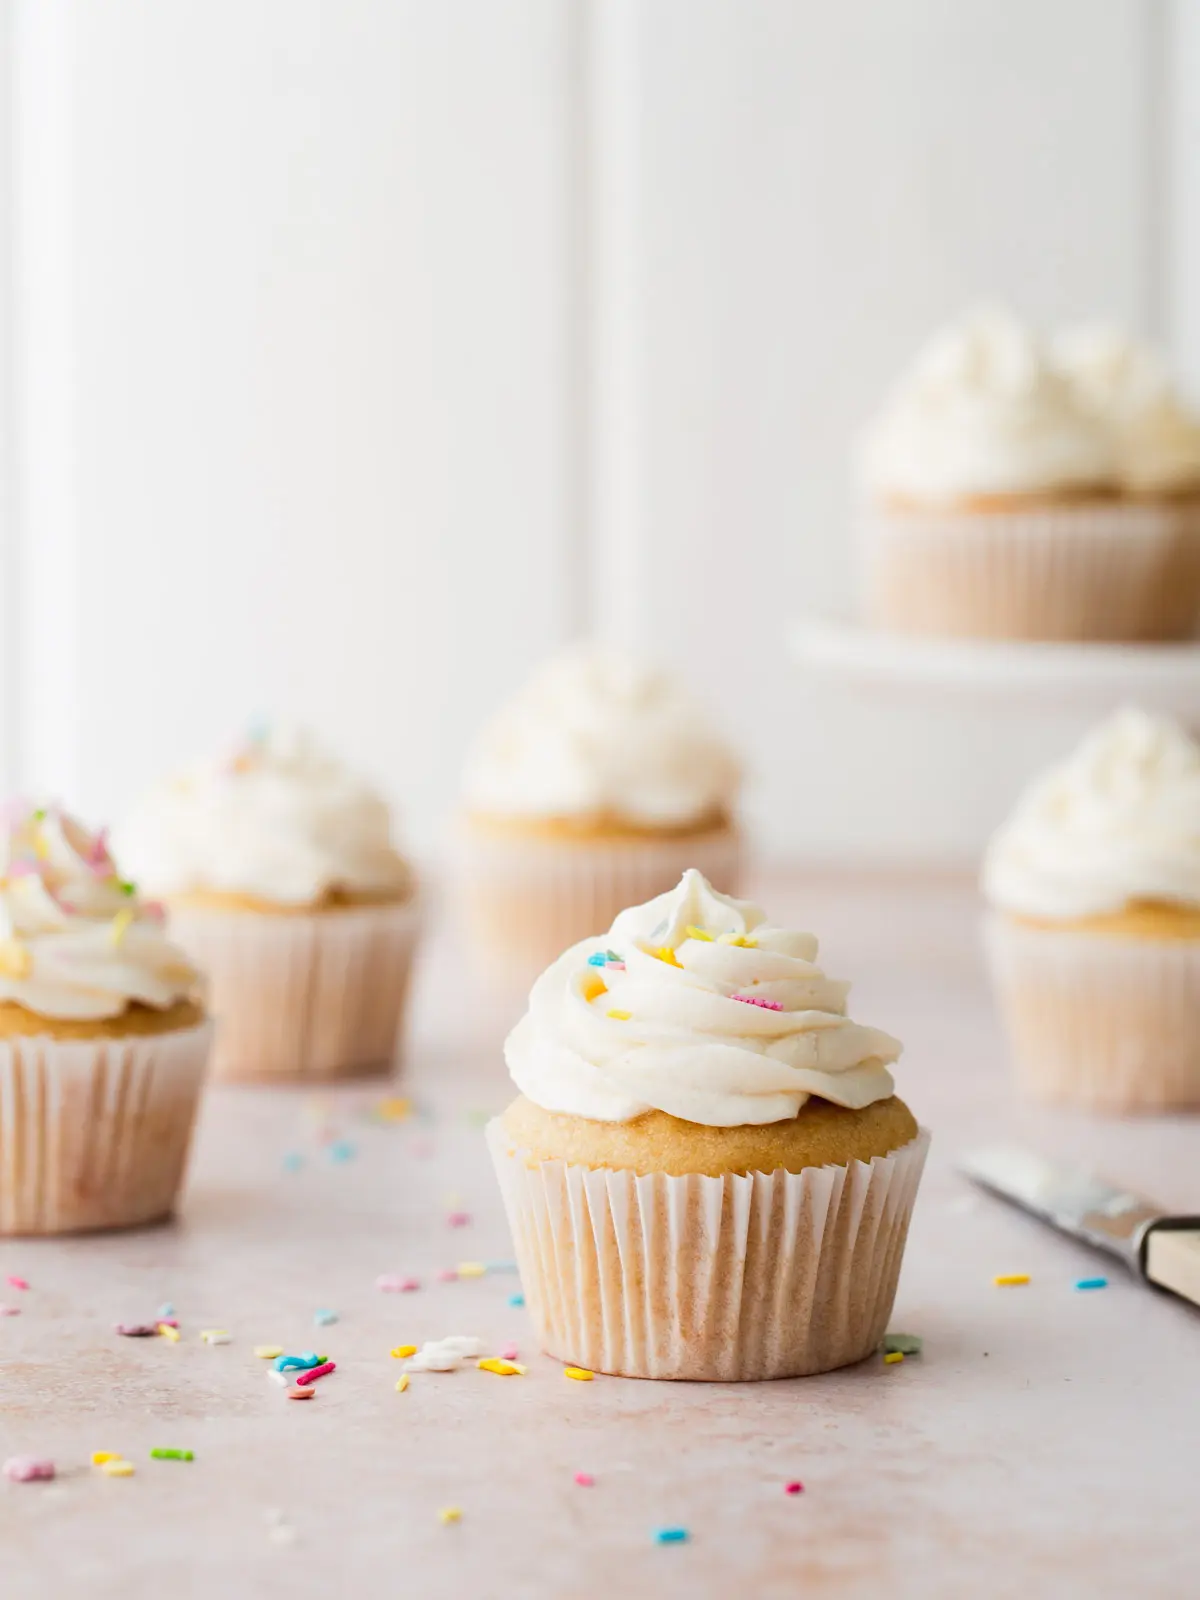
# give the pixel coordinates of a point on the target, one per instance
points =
(1047, 1442)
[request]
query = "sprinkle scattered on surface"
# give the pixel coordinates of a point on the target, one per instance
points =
(342, 1150)
(391, 1283)
(580, 1373)
(99, 1457)
(165, 1310)
(459, 1219)
(502, 1266)
(470, 1269)
(1010, 1280)
(307, 1358)
(670, 1535)
(27, 1469)
(892, 1357)
(508, 1352)
(297, 1393)
(313, 1373)
(795, 1487)
(1091, 1283)
(446, 1355)
(169, 1332)
(268, 1352)
(698, 933)
(584, 1480)
(665, 953)
(10, 1311)
(516, 1299)
(449, 1514)
(137, 1330)
(215, 1336)
(908, 1344)
(325, 1318)
(502, 1368)
(116, 1467)
(401, 1351)
(447, 1275)
(293, 1161)
(171, 1454)
(402, 1383)
(15, 1282)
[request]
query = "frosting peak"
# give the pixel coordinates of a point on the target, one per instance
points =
(1118, 821)
(275, 818)
(983, 411)
(595, 734)
(694, 1005)
(76, 941)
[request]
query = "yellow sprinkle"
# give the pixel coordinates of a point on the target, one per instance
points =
(211, 1335)
(41, 846)
(394, 1109)
(402, 1383)
(402, 1350)
(739, 939)
(168, 1332)
(504, 1369)
(582, 1373)
(99, 1457)
(892, 1357)
(699, 933)
(593, 987)
(15, 960)
(450, 1514)
(470, 1269)
(1009, 1280)
(116, 1468)
(120, 926)
(665, 953)
(268, 1352)
(619, 1016)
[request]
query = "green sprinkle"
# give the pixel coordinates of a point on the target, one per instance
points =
(127, 887)
(40, 814)
(171, 1455)
(904, 1344)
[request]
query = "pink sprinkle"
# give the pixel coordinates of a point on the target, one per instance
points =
(155, 910)
(10, 1311)
(447, 1275)
(795, 1487)
(459, 1219)
(755, 1000)
(22, 869)
(313, 1373)
(97, 856)
(407, 1285)
(388, 1283)
(167, 1322)
(137, 1330)
(17, 1283)
(509, 1353)
(584, 1480)
(27, 1469)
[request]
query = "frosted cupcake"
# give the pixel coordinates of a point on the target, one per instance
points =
(994, 506)
(281, 879)
(1156, 437)
(103, 1036)
(591, 791)
(1094, 934)
(707, 1173)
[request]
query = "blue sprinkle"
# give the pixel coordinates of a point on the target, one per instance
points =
(308, 1358)
(501, 1266)
(670, 1535)
(166, 1309)
(598, 960)
(293, 1161)
(1091, 1283)
(342, 1150)
(516, 1299)
(324, 1318)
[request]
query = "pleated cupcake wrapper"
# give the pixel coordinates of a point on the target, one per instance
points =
(526, 900)
(1122, 571)
(306, 996)
(1098, 1021)
(720, 1279)
(94, 1133)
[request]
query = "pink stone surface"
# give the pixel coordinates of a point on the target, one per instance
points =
(1044, 1444)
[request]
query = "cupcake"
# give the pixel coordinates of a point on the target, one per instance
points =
(994, 507)
(1094, 929)
(1156, 434)
(591, 791)
(707, 1173)
(280, 876)
(103, 1036)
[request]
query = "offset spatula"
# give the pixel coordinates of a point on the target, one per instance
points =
(1162, 1249)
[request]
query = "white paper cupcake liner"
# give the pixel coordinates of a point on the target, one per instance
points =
(1118, 570)
(721, 1279)
(1098, 1021)
(527, 899)
(94, 1133)
(304, 996)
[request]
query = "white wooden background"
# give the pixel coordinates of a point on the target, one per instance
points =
(359, 352)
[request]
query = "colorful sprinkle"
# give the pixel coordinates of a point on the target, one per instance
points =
(313, 1373)
(1010, 1280)
(138, 1330)
(10, 1311)
(908, 1344)
(394, 1109)
(619, 1016)
(172, 1455)
(670, 1535)
(758, 1000)
(581, 1374)
(293, 1161)
(516, 1299)
(297, 1393)
(502, 1266)
(389, 1283)
(119, 926)
(698, 933)
(325, 1318)
(459, 1219)
(447, 1275)
(268, 1352)
(598, 960)
(503, 1369)
(402, 1351)
(342, 1150)
(308, 1358)
(27, 1469)
(165, 1310)
(169, 1332)
(15, 960)
(795, 1487)
(584, 1480)
(117, 1468)
(509, 1352)
(1091, 1283)
(16, 1283)
(892, 1357)
(99, 1457)
(665, 953)
(402, 1383)
(215, 1336)
(470, 1269)
(449, 1514)
(739, 939)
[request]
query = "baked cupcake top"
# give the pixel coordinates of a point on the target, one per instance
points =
(76, 940)
(694, 1005)
(598, 735)
(275, 820)
(1126, 384)
(1116, 823)
(984, 412)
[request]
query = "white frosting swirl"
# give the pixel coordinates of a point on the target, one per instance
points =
(707, 1013)
(984, 412)
(597, 733)
(277, 819)
(1118, 821)
(1126, 384)
(75, 939)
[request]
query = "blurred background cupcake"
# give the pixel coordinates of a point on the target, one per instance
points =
(103, 1036)
(1094, 933)
(997, 509)
(280, 875)
(592, 790)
